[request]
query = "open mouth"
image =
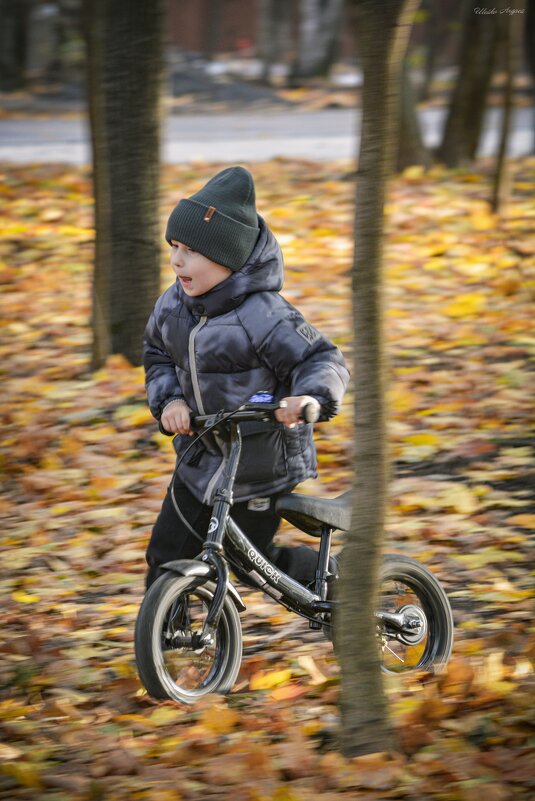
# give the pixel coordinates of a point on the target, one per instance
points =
(185, 280)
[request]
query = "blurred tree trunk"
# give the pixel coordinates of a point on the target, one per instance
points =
(319, 27)
(529, 38)
(213, 28)
(508, 44)
(468, 103)
(14, 15)
(434, 35)
(411, 148)
(273, 34)
(125, 59)
(381, 34)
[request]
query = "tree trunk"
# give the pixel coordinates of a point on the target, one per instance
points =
(273, 34)
(435, 30)
(467, 107)
(13, 43)
(381, 32)
(125, 62)
(529, 38)
(500, 186)
(319, 27)
(411, 148)
(213, 27)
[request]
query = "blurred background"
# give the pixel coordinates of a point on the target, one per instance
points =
(242, 54)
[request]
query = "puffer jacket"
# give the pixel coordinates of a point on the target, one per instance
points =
(217, 350)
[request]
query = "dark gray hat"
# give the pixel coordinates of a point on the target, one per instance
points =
(220, 220)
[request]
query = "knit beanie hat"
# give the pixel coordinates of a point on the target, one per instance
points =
(220, 220)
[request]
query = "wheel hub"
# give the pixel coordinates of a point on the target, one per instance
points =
(414, 629)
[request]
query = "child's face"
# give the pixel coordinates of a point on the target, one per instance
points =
(196, 273)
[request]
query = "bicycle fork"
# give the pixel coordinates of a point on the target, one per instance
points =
(213, 546)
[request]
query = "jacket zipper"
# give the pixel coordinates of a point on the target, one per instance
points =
(198, 400)
(193, 365)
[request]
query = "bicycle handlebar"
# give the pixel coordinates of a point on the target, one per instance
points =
(259, 412)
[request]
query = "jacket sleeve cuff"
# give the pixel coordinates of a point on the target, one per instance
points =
(329, 408)
(168, 402)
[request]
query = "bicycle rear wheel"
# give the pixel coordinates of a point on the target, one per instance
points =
(409, 589)
(170, 660)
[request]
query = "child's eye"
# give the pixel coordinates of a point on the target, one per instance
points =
(190, 250)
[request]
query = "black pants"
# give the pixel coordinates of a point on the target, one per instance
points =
(171, 539)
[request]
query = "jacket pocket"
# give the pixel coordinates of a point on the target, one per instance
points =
(183, 442)
(263, 456)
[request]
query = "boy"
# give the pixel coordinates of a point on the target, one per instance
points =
(218, 336)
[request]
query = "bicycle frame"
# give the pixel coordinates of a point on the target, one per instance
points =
(225, 534)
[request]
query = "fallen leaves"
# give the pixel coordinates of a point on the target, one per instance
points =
(84, 470)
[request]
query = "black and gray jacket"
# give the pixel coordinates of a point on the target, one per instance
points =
(217, 350)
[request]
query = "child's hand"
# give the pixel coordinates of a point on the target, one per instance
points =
(290, 414)
(176, 417)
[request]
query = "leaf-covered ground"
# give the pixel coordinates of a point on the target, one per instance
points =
(83, 472)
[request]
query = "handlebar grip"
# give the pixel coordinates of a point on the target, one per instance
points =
(310, 412)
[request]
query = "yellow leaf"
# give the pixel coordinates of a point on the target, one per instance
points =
(265, 680)
(461, 499)
(483, 221)
(463, 305)
(288, 692)
(164, 715)
(433, 264)
(285, 793)
(524, 521)
(416, 171)
(474, 269)
(219, 719)
(134, 415)
(23, 597)
(51, 215)
(51, 461)
(401, 399)
(24, 772)
(423, 439)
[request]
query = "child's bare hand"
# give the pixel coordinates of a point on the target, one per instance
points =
(290, 414)
(176, 418)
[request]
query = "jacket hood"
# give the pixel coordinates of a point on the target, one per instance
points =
(262, 272)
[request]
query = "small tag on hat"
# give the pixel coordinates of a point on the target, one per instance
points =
(209, 214)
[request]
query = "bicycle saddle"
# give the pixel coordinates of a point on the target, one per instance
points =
(310, 514)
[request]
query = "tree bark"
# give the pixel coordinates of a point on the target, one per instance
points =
(500, 184)
(125, 61)
(13, 43)
(435, 30)
(319, 26)
(381, 32)
(273, 34)
(467, 107)
(212, 29)
(411, 148)
(529, 38)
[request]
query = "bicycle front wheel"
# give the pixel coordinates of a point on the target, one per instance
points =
(411, 591)
(171, 661)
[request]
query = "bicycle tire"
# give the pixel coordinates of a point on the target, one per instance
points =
(150, 650)
(433, 652)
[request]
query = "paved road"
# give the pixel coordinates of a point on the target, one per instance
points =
(257, 136)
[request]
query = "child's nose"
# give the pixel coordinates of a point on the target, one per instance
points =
(176, 257)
